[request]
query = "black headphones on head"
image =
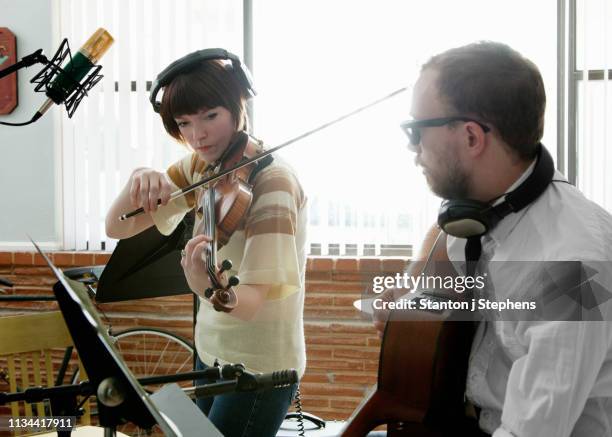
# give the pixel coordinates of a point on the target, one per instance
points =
(466, 218)
(193, 59)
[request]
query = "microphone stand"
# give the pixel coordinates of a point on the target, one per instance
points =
(63, 398)
(27, 61)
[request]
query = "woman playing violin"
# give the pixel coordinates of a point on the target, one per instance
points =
(203, 106)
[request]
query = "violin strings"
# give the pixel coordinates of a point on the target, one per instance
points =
(209, 225)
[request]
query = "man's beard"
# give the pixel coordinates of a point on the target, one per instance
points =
(455, 183)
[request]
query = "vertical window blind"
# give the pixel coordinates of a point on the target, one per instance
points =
(115, 130)
(591, 77)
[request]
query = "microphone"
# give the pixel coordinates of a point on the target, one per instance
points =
(248, 382)
(265, 381)
(69, 78)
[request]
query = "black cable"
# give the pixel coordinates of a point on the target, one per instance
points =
(300, 414)
(32, 120)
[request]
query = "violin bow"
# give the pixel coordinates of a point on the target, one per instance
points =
(213, 178)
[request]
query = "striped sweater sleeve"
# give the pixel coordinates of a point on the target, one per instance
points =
(270, 254)
(181, 174)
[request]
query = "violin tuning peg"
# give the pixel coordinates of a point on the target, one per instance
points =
(208, 293)
(225, 265)
(233, 281)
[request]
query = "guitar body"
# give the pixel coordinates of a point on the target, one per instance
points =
(421, 375)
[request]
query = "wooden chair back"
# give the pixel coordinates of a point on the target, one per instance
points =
(31, 348)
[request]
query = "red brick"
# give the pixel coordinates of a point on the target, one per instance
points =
(33, 290)
(356, 378)
(316, 377)
(327, 390)
(33, 280)
(360, 278)
(374, 342)
(63, 259)
(6, 258)
(356, 353)
(322, 264)
(33, 271)
(394, 265)
(101, 258)
(340, 341)
(371, 365)
(344, 301)
(370, 264)
(312, 401)
(329, 365)
(324, 313)
(30, 306)
(352, 328)
(23, 258)
(83, 259)
(347, 265)
(318, 276)
(338, 287)
(318, 300)
(40, 261)
(312, 352)
(316, 328)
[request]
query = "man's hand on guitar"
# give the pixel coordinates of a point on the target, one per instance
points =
(380, 316)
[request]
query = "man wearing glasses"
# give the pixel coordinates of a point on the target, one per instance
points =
(478, 118)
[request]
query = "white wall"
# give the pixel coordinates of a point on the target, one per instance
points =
(29, 187)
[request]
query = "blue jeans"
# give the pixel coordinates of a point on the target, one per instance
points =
(246, 414)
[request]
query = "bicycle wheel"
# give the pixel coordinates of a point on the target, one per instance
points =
(152, 352)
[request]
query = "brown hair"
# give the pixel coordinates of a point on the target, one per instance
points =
(497, 84)
(209, 84)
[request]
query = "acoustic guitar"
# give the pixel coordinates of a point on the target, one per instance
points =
(422, 371)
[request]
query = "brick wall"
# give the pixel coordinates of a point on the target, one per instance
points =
(342, 347)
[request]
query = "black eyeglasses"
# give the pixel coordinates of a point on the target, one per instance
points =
(412, 128)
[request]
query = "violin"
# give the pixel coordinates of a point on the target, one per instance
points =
(224, 205)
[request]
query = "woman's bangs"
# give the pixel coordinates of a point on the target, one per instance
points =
(189, 94)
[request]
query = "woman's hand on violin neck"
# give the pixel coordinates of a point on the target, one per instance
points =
(195, 266)
(147, 186)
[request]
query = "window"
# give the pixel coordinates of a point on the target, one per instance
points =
(589, 98)
(313, 61)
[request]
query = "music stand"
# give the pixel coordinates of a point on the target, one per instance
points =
(106, 369)
(145, 265)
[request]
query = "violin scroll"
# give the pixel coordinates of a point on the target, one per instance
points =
(223, 298)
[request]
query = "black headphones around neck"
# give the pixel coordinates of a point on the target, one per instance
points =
(191, 60)
(466, 218)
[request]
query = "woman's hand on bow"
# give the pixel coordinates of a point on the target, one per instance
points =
(147, 186)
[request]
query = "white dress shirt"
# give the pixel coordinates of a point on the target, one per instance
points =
(551, 378)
